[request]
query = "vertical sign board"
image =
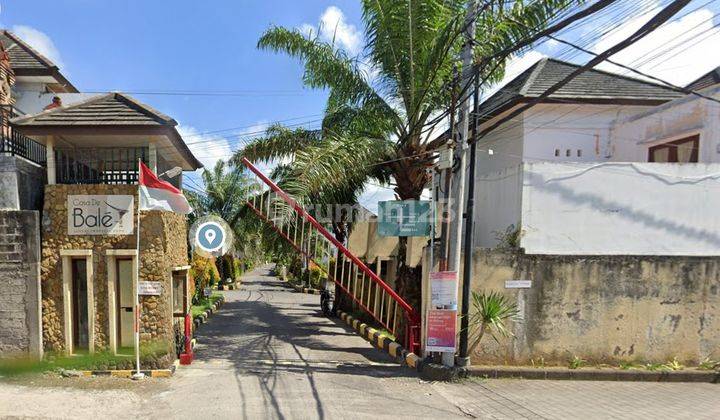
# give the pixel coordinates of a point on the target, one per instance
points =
(100, 214)
(443, 290)
(441, 326)
(442, 315)
(404, 218)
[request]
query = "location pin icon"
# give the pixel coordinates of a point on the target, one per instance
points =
(210, 235)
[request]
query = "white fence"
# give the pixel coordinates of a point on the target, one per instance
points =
(607, 208)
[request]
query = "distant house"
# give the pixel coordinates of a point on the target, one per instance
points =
(581, 172)
(69, 170)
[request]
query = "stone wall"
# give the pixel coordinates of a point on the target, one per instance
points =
(21, 184)
(606, 308)
(602, 308)
(20, 283)
(163, 245)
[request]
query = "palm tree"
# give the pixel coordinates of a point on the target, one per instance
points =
(226, 190)
(383, 106)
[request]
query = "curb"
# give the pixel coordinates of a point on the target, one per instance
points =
(152, 373)
(383, 343)
(301, 289)
(203, 317)
(589, 374)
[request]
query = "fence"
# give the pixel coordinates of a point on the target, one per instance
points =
(363, 286)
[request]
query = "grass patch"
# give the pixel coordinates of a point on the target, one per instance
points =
(103, 360)
(204, 304)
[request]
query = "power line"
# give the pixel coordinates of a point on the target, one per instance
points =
(646, 29)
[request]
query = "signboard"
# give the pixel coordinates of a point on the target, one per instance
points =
(100, 214)
(404, 218)
(443, 290)
(149, 288)
(441, 330)
(518, 284)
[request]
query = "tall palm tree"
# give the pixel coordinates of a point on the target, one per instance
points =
(382, 106)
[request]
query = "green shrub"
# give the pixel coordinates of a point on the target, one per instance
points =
(491, 310)
(317, 277)
(237, 268)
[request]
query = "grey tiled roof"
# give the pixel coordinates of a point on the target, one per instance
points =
(708, 79)
(23, 56)
(108, 109)
(589, 86)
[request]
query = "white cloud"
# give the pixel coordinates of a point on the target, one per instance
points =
(40, 41)
(208, 148)
(679, 51)
(333, 27)
(373, 194)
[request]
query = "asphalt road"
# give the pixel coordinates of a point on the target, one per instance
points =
(268, 353)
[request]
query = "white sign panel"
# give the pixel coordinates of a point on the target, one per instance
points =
(443, 290)
(518, 284)
(150, 288)
(100, 214)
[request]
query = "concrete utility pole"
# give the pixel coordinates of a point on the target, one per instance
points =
(462, 144)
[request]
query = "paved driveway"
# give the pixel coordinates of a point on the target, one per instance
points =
(270, 354)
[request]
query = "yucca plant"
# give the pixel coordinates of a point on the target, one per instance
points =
(490, 312)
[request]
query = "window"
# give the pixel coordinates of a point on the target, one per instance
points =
(568, 153)
(684, 150)
(557, 152)
(179, 294)
(579, 153)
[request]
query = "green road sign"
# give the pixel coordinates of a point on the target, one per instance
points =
(404, 218)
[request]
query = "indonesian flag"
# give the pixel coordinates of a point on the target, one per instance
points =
(156, 194)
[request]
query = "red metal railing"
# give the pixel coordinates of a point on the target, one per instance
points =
(354, 278)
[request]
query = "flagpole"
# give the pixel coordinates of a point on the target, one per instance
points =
(138, 374)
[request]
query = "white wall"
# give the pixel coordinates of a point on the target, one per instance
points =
(31, 102)
(534, 136)
(632, 137)
(502, 148)
(571, 128)
(621, 209)
(497, 205)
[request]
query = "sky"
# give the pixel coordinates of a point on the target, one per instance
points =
(167, 53)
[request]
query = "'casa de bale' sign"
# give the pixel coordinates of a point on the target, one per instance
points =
(100, 214)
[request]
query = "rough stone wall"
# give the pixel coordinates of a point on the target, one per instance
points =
(163, 245)
(605, 309)
(19, 283)
(21, 184)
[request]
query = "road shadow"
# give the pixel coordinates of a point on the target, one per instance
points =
(263, 333)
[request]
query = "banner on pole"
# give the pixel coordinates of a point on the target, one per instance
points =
(441, 330)
(444, 290)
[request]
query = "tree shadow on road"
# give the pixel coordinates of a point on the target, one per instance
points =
(262, 338)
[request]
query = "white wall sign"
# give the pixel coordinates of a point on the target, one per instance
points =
(150, 288)
(100, 214)
(518, 284)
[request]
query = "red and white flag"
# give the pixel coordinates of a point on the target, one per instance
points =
(156, 194)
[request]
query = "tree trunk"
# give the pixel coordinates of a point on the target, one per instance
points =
(411, 179)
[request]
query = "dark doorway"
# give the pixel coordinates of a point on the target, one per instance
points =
(79, 305)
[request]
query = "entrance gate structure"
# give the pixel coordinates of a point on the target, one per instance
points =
(363, 286)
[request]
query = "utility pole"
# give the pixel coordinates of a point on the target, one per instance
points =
(462, 146)
(463, 356)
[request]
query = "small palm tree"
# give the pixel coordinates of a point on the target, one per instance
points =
(490, 312)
